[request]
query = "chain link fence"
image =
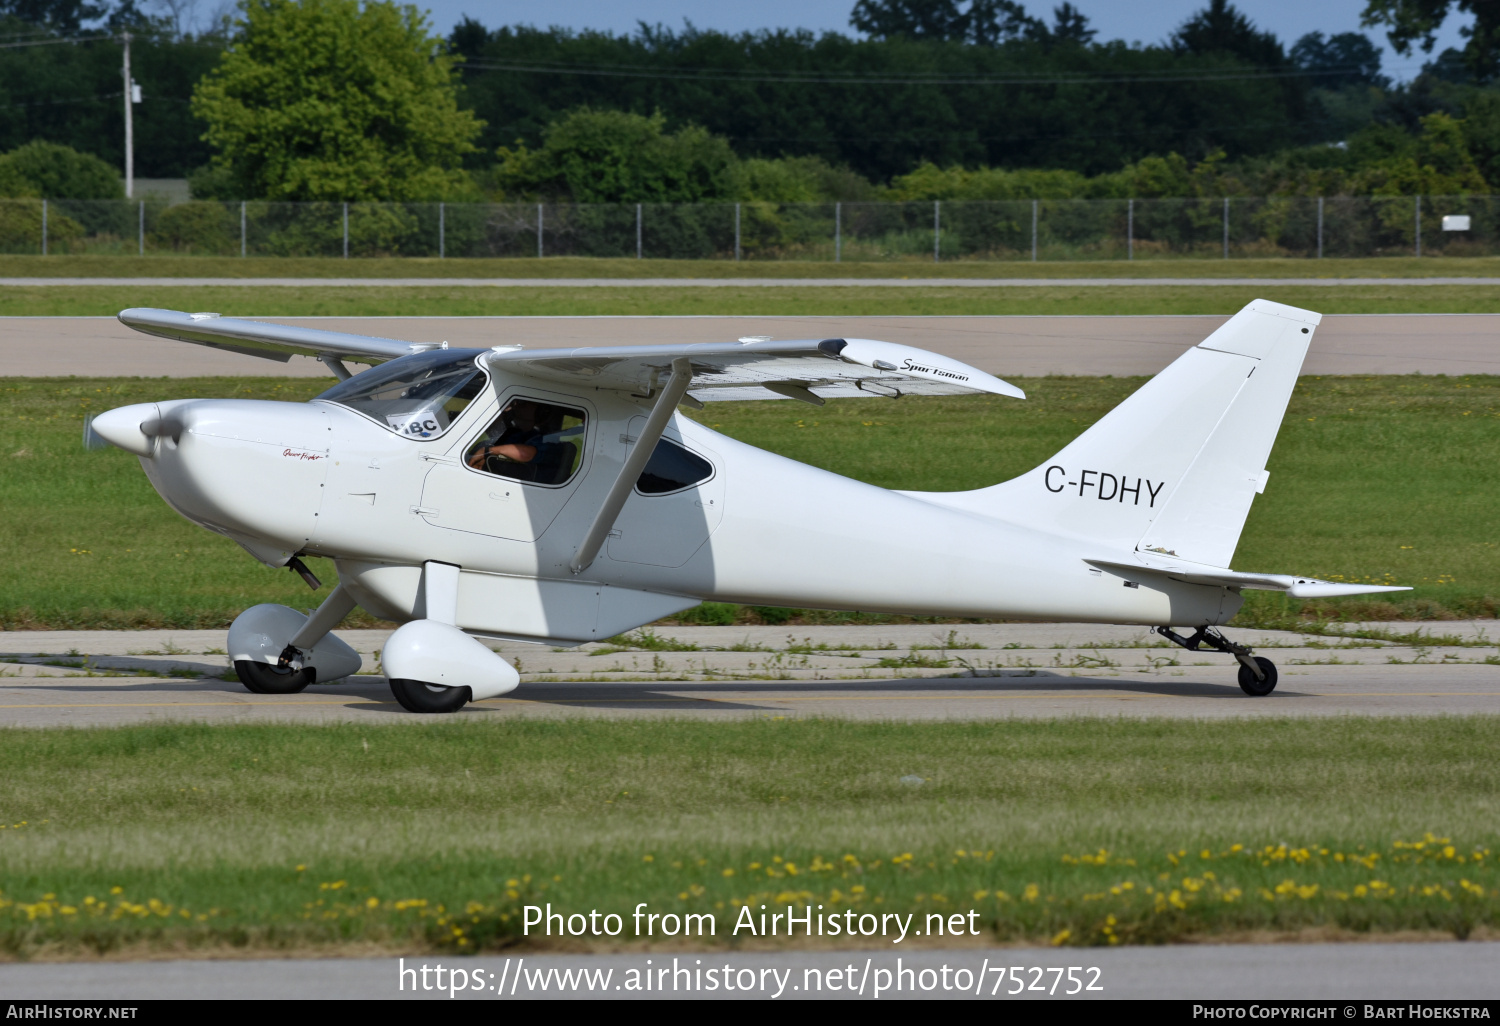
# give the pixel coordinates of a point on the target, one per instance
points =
(1142, 229)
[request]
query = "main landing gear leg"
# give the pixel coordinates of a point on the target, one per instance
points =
(1257, 674)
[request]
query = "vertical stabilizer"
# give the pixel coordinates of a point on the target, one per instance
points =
(1172, 469)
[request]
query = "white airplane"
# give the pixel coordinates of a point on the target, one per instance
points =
(556, 496)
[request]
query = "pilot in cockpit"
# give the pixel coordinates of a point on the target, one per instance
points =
(529, 441)
(518, 440)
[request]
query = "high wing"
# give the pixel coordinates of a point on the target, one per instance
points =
(269, 341)
(809, 370)
(1223, 577)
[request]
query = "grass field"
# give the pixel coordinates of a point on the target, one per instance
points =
(177, 266)
(459, 301)
(314, 300)
(1380, 478)
(432, 836)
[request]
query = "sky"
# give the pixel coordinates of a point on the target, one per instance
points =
(1148, 21)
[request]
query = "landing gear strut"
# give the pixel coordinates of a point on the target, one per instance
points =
(1257, 674)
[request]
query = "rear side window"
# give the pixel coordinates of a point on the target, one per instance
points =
(671, 469)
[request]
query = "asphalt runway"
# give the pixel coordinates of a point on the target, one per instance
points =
(1344, 974)
(978, 672)
(1004, 346)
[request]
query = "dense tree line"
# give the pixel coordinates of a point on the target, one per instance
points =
(950, 97)
(592, 156)
(1030, 95)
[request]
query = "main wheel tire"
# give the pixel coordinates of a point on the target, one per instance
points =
(1258, 688)
(420, 697)
(264, 679)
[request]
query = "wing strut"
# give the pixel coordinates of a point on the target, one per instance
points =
(635, 462)
(335, 366)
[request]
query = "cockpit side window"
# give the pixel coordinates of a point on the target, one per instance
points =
(531, 440)
(418, 396)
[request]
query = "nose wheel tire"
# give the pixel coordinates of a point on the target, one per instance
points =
(264, 679)
(1258, 688)
(420, 697)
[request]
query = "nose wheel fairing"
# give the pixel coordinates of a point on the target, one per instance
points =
(261, 634)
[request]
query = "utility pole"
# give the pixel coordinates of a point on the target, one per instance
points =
(129, 127)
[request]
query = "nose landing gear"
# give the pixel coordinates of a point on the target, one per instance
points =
(273, 680)
(279, 651)
(1257, 674)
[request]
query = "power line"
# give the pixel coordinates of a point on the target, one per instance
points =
(919, 78)
(103, 37)
(76, 99)
(53, 40)
(98, 97)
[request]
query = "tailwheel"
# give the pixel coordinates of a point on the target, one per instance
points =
(420, 697)
(1257, 674)
(264, 679)
(1258, 688)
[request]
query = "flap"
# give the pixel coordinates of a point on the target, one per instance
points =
(829, 368)
(270, 341)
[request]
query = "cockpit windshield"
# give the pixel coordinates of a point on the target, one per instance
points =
(417, 396)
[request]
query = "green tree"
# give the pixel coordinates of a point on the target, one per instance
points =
(1417, 21)
(334, 100)
(1482, 132)
(882, 107)
(796, 180)
(1438, 163)
(13, 184)
(70, 16)
(55, 171)
(1340, 60)
(930, 182)
(607, 156)
(985, 22)
(1069, 26)
(1221, 28)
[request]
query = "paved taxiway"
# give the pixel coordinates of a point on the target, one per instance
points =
(1005, 346)
(994, 671)
(764, 282)
(1450, 972)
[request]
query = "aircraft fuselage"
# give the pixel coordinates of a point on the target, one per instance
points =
(322, 479)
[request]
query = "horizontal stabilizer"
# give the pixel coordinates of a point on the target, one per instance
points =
(830, 368)
(1222, 577)
(269, 341)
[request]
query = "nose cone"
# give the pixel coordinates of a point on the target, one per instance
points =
(122, 427)
(249, 469)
